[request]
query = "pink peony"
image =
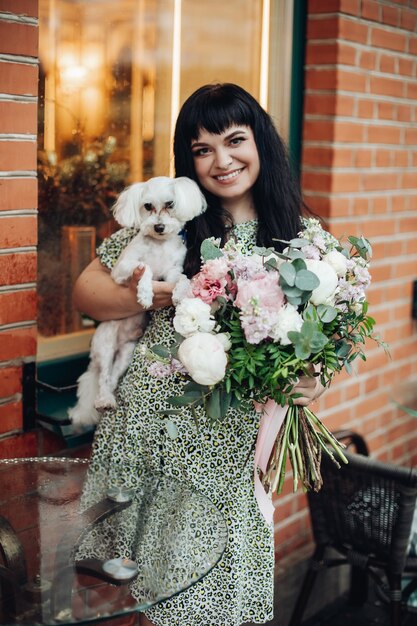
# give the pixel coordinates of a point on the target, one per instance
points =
(260, 293)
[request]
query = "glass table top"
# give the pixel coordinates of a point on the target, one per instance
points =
(77, 550)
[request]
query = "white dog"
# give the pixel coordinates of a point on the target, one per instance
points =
(159, 208)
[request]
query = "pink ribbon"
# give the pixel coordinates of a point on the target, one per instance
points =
(272, 417)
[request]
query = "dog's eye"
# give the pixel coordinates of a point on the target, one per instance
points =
(148, 206)
(169, 205)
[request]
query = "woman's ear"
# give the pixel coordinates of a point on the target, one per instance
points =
(189, 200)
(126, 207)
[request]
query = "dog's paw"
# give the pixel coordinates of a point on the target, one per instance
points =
(105, 401)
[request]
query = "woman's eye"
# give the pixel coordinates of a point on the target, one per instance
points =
(200, 152)
(148, 206)
(169, 205)
(236, 141)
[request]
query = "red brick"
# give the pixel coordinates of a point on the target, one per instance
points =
(20, 7)
(322, 79)
(353, 30)
(10, 381)
(371, 10)
(316, 181)
(363, 158)
(406, 66)
(343, 157)
(19, 446)
(383, 38)
(404, 113)
(18, 78)
(11, 417)
(18, 231)
(351, 81)
(388, 63)
(19, 39)
(327, 28)
(17, 268)
(318, 130)
(366, 109)
(412, 45)
(18, 117)
(18, 306)
(411, 136)
(349, 133)
(317, 156)
(383, 158)
(390, 15)
(387, 86)
(411, 91)
(322, 53)
(342, 182)
(408, 19)
(17, 155)
(18, 193)
(386, 111)
(367, 59)
(384, 134)
(17, 343)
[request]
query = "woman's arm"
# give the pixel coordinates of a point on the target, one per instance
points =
(97, 295)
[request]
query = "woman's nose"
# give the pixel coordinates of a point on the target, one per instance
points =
(223, 159)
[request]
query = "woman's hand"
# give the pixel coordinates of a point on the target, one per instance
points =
(162, 291)
(97, 295)
(309, 386)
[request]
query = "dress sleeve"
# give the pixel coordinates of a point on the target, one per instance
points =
(111, 248)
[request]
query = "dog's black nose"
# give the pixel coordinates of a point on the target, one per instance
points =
(159, 228)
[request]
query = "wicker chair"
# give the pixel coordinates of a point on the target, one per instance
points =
(364, 512)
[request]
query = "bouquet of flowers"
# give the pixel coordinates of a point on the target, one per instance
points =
(248, 326)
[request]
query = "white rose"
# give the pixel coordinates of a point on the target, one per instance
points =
(325, 292)
(191, 316)
(288, 319)
(204, 358)
(337, 261)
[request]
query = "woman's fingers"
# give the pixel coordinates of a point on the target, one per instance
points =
(307, 386)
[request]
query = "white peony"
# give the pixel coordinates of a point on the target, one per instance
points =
(288, 319)
(325, 292)
(337, 261)
(224, 339)
(204, 358)
(191, 316)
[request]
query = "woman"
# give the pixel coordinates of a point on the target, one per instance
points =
(227, 143)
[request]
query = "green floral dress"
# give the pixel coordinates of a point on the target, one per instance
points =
(239, 588)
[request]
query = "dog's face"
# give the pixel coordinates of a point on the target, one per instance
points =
(159, 207)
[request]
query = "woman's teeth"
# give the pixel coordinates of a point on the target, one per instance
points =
(229, 176)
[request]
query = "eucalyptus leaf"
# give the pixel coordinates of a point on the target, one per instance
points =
(326, 313)
(213, 406)
(209, 250)
(188, 398)
(298, 243)
(288, 273)
(306, 280)
(161, 351)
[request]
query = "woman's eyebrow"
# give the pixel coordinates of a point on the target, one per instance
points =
(230, 136)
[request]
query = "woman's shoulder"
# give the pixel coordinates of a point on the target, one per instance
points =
(112, 247)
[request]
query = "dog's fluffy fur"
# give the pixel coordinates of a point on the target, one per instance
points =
(159, 208)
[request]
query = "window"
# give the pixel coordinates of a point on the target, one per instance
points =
(112, 78)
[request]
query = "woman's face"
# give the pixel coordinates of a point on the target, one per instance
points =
(227, 165)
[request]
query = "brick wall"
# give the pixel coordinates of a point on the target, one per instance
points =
(359, 165)
(18, 223)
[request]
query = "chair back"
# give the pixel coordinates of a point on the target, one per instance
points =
(365, 510)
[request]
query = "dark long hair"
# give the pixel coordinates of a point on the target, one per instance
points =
(276, 192)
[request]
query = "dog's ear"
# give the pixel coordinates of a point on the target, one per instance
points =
(189, 200)
(126, 207)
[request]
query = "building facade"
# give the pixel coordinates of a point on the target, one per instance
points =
(357, 143)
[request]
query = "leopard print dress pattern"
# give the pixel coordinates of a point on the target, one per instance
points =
(218, 462)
